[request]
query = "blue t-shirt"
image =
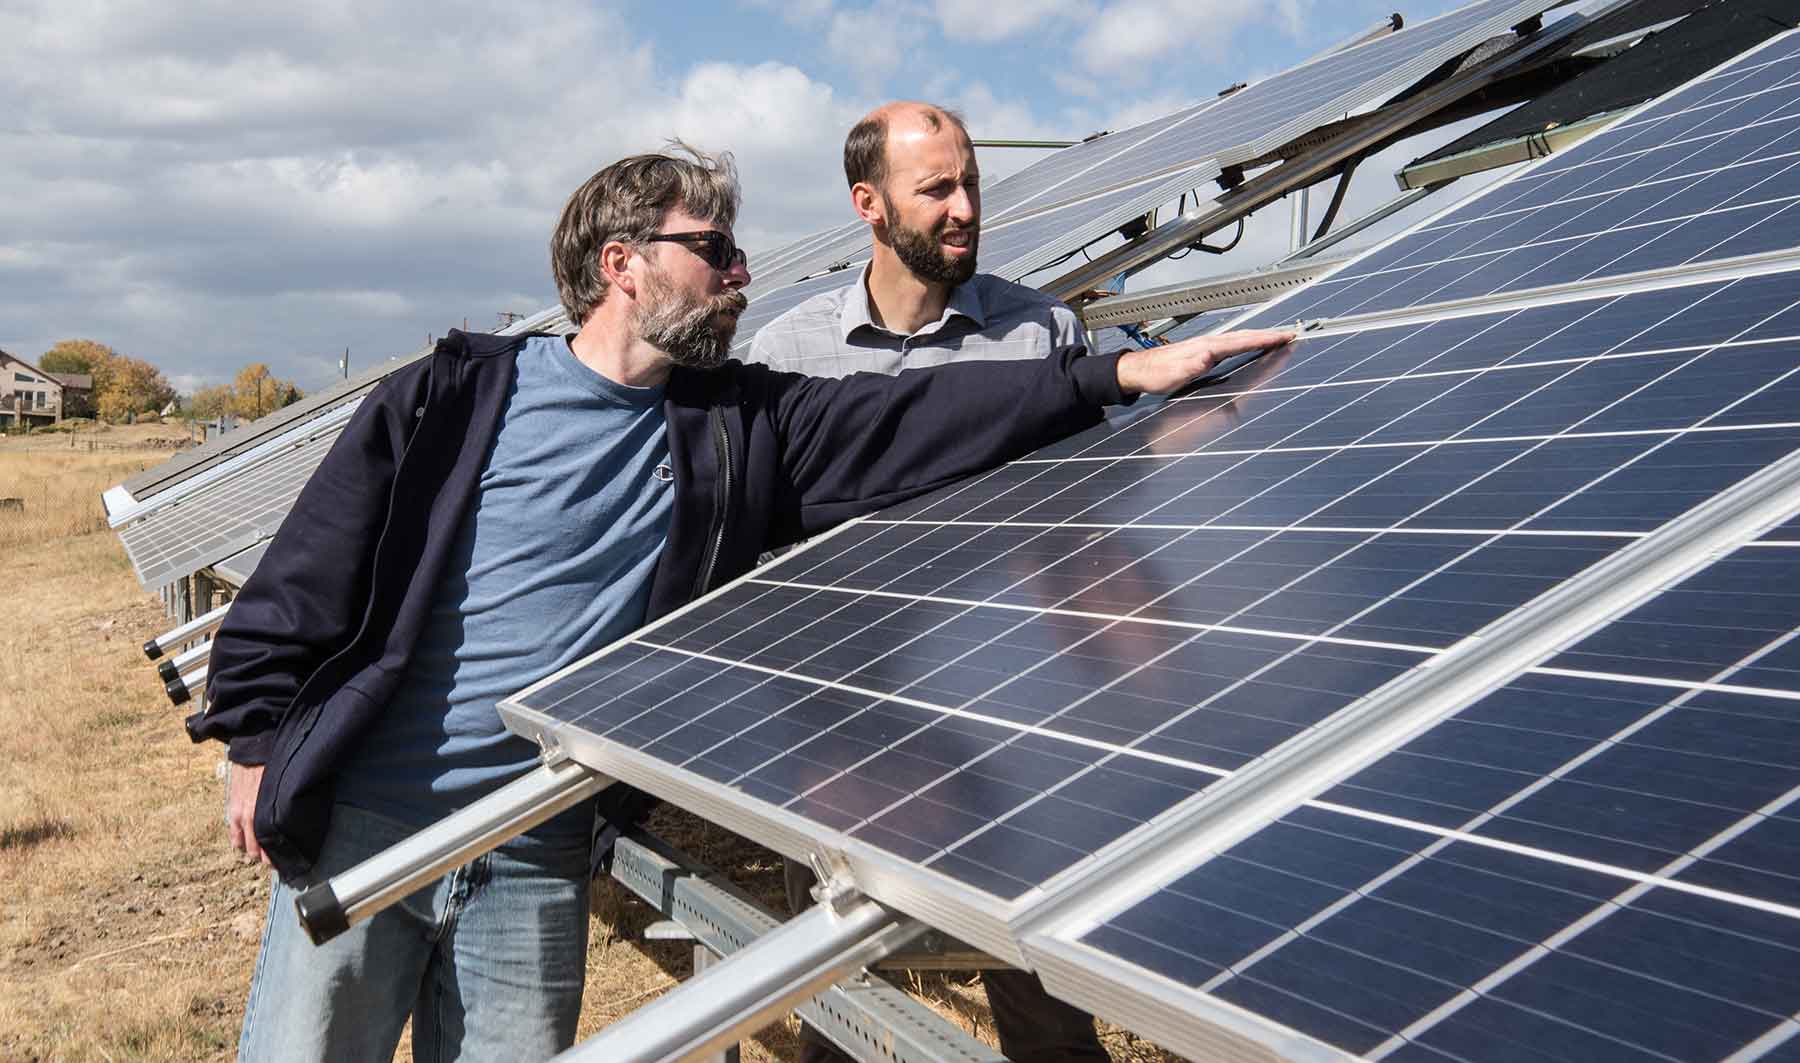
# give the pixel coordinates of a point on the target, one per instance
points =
(553, 561)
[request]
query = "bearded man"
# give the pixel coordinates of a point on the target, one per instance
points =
(503, 508)
(919, 302)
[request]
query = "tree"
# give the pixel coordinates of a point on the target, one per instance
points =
(256, 392)
(80, 356)
(211, 403)
(76, 356)
(132, 386)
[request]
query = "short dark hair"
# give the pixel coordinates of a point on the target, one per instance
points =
(628, 201)
(865, 149)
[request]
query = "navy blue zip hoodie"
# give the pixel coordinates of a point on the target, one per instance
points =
(313, 646)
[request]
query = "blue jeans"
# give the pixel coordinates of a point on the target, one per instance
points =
(489, 960)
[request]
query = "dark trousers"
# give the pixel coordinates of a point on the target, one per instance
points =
(1034, 1027)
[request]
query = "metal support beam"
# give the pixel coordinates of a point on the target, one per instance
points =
(170, 667)
(1195, 297)
(1266, 188)
(1297, 223)
(867, 1018)
(184, 688)
(1503, 153)
(199, 627)
(333, 906)
(755, 985)
(704, 960)
(1345, 232)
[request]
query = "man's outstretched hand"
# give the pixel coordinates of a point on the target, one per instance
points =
(1167, 368)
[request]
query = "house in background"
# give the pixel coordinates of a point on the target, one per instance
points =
(77, 393)
(28, 395)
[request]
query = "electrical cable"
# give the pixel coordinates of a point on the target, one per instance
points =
(1337, 195)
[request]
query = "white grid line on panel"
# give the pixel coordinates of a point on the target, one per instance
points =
(1545, 437)
(1508, 364)
(1779, 1034)
(904, 522)
(1110, 618)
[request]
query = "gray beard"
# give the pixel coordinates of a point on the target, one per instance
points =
(691, 332)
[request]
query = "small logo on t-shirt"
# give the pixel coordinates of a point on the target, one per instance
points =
(665, 474)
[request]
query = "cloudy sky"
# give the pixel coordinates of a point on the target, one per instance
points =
(207, 183)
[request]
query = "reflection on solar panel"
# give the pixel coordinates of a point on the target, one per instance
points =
(1423, 689)
(227, 508)
(237, 568)
(1707, 174)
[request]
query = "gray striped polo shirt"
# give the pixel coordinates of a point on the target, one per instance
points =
(833, 335)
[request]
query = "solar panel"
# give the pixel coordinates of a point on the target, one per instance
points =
(1708, 173)
(1596, 860)
(237, 568)
(1003, 702)
(1261, 117)
(228, 508)
(807, 257)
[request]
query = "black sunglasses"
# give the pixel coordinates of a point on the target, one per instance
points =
(710, 244)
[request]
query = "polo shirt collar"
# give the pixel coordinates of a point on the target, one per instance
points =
(964, 301)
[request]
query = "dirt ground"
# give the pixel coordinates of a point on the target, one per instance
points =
(128, 930)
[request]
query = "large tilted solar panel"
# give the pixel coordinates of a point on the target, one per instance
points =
(986, 700)
(996, 682)
(228, 508)
(1256, 119)
(1598, 860)
(1710, 172)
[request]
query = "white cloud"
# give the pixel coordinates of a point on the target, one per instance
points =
(1126, 36)
(985, 20)
(874, 42)
(211, 178)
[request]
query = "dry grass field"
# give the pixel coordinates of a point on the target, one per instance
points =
(127, 928)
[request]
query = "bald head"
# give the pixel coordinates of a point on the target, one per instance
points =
(866, 149)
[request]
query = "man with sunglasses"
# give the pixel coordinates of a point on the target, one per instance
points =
(502, 508)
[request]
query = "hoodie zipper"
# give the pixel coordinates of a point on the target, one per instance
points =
(721, 500)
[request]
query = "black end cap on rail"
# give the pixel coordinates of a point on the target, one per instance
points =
(192, 723)
(177, 690)
(166, 671)
(322, 917)
(152, 650)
